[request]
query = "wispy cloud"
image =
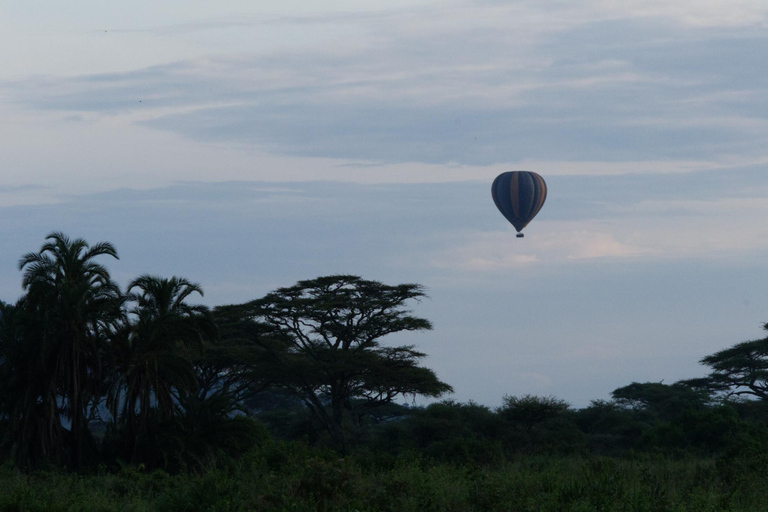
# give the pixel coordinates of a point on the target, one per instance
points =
(501, 250)
(690, 230)
(472, 84)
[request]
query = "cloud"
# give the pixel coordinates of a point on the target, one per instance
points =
(505, 261)
(477, 85)
(697, 13)
(556, 245)
(647, 119)
(15, 189)
(649, 230)
(590, 245)
(15, 195)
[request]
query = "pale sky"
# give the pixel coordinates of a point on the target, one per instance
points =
(248, 145)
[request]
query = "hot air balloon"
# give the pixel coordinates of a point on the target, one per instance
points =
(519, 195)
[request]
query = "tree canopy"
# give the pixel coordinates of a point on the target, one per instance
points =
(741, 370)
(76, 305)
(146, 364)
(90, 373)
(322, 340)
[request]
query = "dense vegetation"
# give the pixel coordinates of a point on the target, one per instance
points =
(141, 400)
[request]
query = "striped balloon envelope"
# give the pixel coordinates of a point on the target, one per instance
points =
(519, 195)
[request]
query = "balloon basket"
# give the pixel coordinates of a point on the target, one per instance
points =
(520, 235)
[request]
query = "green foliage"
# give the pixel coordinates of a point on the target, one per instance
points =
(152, 355)
(323, 346)
(170, 385)
(446, 431)
(661, 400)
(750, 409)
(291, 476)
(70, 308)
(231, 362)
(208, 429)
(741, 370)
(529, 410)
(539, 425)
(611, 429)
(151, 374)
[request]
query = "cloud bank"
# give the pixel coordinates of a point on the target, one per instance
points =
(476, 84)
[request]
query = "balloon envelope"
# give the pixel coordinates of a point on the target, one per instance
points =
(519, 195)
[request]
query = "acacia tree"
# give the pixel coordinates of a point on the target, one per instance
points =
(229, 367)
(666, 401)
(737, 371)
(324, 347)
(530, 410)
(75, 306)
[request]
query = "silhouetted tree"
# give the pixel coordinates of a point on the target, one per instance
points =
(737, 371)
(448, 431)
(539, 424)
(530, 410)
(76, 306)
(662, 400)
(29, 409)
(229, 365)
(153, 352)
(324, 347)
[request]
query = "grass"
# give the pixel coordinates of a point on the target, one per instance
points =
(291, 476)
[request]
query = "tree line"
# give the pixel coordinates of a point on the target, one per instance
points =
(92, 374)
(151, 368)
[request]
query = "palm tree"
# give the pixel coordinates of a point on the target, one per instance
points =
(154, 351)
(77, 306)
(28, 407)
